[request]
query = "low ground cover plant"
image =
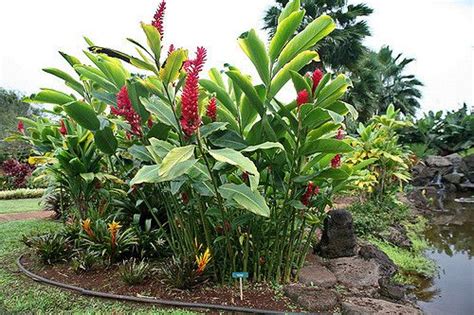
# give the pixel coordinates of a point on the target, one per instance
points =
(22, 193)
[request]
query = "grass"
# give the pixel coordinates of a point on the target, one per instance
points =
(19, 294)
(19, 205)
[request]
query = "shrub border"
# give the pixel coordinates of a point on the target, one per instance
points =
(150, 300)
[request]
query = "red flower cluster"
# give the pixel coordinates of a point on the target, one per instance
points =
(336, 161)
(211, 111)
(158, 18)
(310, 191)
(190, 119)
(171, 49)
(302, 98)
(340, 134)
(317, 76)
(62, 128)
(21, 127)
(17, 172)
(125, 109)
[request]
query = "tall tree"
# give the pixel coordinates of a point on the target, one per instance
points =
(344, 47)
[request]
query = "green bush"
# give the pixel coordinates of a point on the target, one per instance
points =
(22, 193)
(51, 248)
(133, 271)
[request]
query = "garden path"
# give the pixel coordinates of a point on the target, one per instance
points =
(25, 215)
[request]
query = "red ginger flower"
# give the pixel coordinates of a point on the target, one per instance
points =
(21, 127)
(309, 192)
(171, 49)
(190, 119)
(158, 18)
(149, 122)
(336, 161)
(302, 98)
(317, 76)
(125, 109)
(211, 111)
(62, 128)
(340, 134)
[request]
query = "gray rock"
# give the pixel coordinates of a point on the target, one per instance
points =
(391, 290)
(371, 252)
(437, 161)
(458, 163)
(316, 274)
(338, 239)
(362, 306)
(454, 178)
(355, 272)
(397, 236)
(312, 299)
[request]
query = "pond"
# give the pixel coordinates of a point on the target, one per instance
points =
(451, 237)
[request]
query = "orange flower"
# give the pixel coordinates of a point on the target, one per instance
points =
(202, 261)
(113, 228)
(86, 226)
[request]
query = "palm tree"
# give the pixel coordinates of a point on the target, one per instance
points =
(344, 47)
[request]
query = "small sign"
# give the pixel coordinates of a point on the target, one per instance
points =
(240, 274)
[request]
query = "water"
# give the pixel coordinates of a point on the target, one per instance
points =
(451, 237)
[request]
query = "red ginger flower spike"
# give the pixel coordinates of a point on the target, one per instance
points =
(62, 128)
(316, 190)
(302, 98)
(340, 134)
(21, 127)
(158, 18)
(211, 111)
(149, 122)
(125, 109)
(317, 76)
(307, 195)
(171, 49)
(336, 161)
(190, 119)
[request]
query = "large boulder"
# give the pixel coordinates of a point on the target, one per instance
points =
(459, 165)
(315, 274)
(357, 274)
(362, 306)
(469, 162)
(312, 299)
(371, 252)
(338, 239)
(438, 161)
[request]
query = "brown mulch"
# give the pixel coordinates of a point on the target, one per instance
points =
(258, 296)
(5, 217)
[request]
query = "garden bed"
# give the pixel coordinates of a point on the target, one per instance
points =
(256, 296)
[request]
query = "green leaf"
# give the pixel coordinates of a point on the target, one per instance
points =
(295, 64)
(88, 177)
(244, 83)
(216, 77)
(153, 39)
(254, 48)
(299, 82)
(325, 146)
(159, 131)
(228, 139)
(97, 77)
(159, 149)
(174, 157)
(163, 111)
(264, 146)
(237, 159)
(285, 30)
(105, 140)
(316, 116)
(314, 32)
(333, 91)
(210, 128)
(140, 153)
(221, 95)
(290, 8)
(246, 198)
(50, 96)
(136, 91)
(70, 81)
(83, 114)
(147, 174)
(173, 65)
(179, 169)
(333, 173)
(363, 164)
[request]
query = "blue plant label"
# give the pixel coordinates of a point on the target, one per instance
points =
(240, 274)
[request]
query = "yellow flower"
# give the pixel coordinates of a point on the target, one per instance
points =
(202, 260)
(86, 225)
(113, 228)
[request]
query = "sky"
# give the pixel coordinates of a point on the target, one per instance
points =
(437, 33)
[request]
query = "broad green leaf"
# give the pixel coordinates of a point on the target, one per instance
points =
(285, 30)
(136, 91)
(228, 139)
(216, 77)
(248, 112)
(295, 64)
(179, 169)
(159, 149)
(105, 140)
(314, 32)
(88, 177)
(290, 7)
(140, 153)
(159, 131)
(174, 157)
(208, 129)
(322, 130)
(89, 73)
(264, 146)
(50, 96)
(83, 114)
(325, 146)
(363, 164)
(153, 39)
(237, 159)
(224, 115)
(173, 65)
(221, 95)
(333, 91)
(318, 116)
(254, 48)
(147, 174)
(163, 111)
(299, 82)
(246, 198)
(70, 81)
(333, 173)
(249, 90)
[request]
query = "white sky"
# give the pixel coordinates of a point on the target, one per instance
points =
(438, 33)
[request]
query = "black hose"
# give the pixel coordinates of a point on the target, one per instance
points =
(141, 299)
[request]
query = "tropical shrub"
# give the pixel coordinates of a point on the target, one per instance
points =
(438, 133)
(15, 173)
(222, 167)
(388, 161)
(50, 248)
(83, 260)
(22, 193)
(133, 271)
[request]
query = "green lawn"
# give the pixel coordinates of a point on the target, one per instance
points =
(19, 205)
(20, 295)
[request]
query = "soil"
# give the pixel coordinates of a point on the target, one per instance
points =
(258, 296)
(6, 217)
